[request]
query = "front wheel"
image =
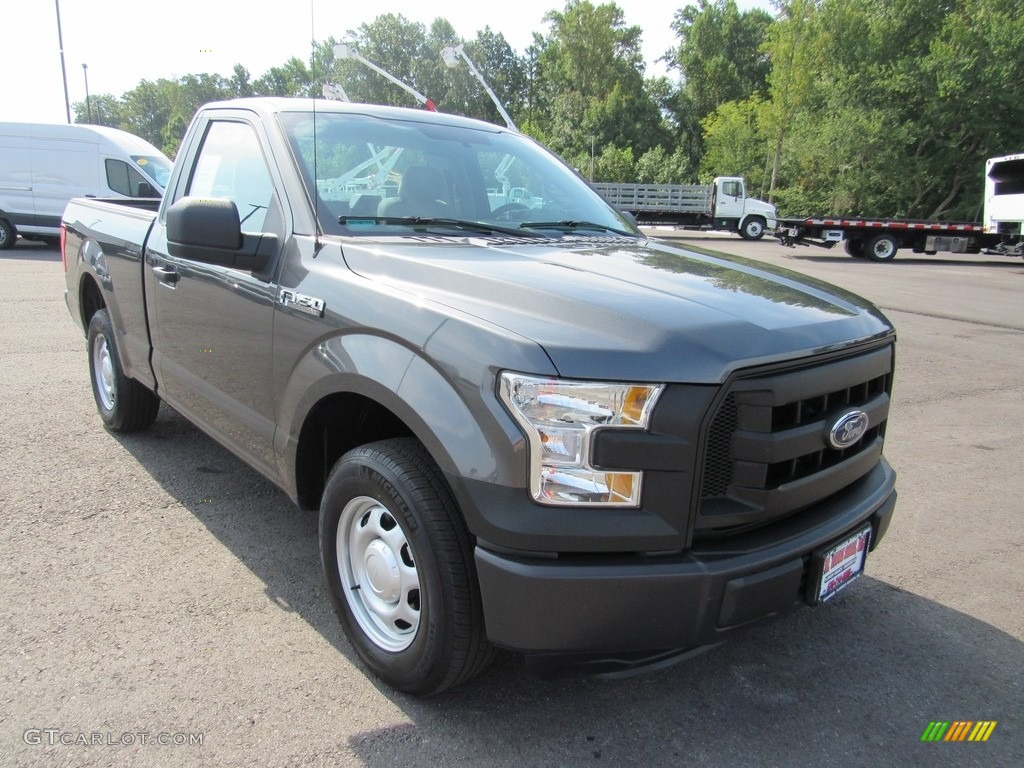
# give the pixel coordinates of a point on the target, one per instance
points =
(881, 248)
(124, 404)
(399, 567)
(753, 228)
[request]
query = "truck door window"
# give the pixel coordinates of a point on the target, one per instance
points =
(231, 165)
(732, 188)
(124, 179)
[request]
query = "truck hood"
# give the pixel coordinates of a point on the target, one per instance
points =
(622, 308)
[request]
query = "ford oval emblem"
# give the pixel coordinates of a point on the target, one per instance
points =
(849, 428)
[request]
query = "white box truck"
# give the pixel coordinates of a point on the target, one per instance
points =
(43, 166)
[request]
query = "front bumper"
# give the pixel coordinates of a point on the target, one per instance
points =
(634, 604)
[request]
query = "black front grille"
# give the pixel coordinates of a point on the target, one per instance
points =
(767, 453)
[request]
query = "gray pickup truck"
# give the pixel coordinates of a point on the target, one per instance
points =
(525, 424)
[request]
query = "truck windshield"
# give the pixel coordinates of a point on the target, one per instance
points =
(374, 175)
(155, 167)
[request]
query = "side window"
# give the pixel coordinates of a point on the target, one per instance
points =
(117, 177)
(230, 164)
(732, 188)
(135, 179)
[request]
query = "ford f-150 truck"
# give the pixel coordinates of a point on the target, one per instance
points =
(525, 425)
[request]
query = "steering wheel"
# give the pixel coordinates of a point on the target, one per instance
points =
(508, 208)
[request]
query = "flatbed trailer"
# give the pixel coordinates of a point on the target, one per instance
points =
(880, 239)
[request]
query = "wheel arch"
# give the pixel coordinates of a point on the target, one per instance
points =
(387, 390)
(90, 298)
(336, 424)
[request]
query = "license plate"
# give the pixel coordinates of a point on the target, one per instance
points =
(841, 564)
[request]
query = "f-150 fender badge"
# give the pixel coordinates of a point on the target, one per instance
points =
(303, 303)
(848, 429)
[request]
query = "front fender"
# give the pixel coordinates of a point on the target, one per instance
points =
(456, 416)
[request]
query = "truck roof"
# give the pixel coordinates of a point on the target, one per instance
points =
(90, 134)
(269, 106)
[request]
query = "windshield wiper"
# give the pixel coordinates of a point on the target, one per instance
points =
(570, 225)
(428, 221)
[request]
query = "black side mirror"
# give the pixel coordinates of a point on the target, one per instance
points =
(145, 189)
(209, 231)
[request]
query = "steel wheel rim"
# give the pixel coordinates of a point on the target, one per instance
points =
(103, 372)
(378, 574)
(754, 229)
(884, 249)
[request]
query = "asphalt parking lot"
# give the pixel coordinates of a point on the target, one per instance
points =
(163, 604)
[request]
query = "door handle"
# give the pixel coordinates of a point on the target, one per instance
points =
(167, 275)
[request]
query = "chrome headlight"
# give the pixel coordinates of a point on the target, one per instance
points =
(559, 418)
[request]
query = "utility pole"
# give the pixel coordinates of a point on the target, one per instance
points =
(63, 70)
(88, 106)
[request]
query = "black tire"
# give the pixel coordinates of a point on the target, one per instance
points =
(753, 228)
(124, 404)
(8, 235)
(399, 568)
(881, 248)
(854, 248)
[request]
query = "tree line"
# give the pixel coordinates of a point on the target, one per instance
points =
(846, 107)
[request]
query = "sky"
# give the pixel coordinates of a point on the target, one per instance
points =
(125, 41)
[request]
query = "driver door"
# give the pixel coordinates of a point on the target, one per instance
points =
(212, 326)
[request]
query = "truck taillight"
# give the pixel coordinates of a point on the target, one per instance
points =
(63, 244)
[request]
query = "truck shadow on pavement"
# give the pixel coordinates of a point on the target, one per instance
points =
(999, 262)
(861, 677)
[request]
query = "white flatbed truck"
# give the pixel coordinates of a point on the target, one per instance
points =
(722, 205)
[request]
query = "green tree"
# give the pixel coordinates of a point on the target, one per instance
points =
(105, 109)
(720, 58)
(720, 54)
(589, 50)
(889, 107)
(736, 143)
(399, 47)
(587, 84)
(293, 78)
(146, 110)
(796, 50)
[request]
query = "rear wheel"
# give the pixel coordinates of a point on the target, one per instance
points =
(753, 228)
(881, 248)
(124, 404)
(8, 235)
(399, 567)
(854, 248)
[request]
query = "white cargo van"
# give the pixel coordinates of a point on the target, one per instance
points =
(42, 166)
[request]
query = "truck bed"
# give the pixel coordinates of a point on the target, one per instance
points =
(657, 198)
(111, 237)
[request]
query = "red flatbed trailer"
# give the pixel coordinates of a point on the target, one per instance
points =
(1002, 231)
(879, 239)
